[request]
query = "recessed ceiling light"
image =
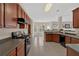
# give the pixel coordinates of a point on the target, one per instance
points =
(47, 7)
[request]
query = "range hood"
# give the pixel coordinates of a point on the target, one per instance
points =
(21, 21)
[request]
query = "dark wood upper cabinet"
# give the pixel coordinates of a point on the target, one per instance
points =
(1, 15)
(10, 15)
(22, 11)
(19, 11)
(29, 29)
(9, 12)
(24, 15)
(76, 18)
(27, 18)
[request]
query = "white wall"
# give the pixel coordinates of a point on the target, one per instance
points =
(5, 32)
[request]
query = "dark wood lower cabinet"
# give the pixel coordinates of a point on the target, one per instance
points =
(71, 52)
(51, 37)
(67, 39)
(18, 51)
(56, 38)
(74, 41)
(48, 38)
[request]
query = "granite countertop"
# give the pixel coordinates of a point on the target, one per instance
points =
(70, 35)
(74, 46)
(7, 45)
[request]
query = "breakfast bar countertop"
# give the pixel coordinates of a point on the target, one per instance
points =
(73, 46)
(70, 35)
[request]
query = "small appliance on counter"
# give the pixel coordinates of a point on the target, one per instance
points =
(16, 35)
(62, 40)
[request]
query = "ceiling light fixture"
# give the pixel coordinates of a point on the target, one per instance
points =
(48, 7)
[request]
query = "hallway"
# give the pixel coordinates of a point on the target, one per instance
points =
(49, 49)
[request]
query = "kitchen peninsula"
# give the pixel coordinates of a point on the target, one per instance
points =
(71, 39)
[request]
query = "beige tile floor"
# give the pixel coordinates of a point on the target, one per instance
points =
(48, 49)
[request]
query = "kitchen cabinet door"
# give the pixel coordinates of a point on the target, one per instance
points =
(76, 18)
(48, 38)
(24, 15)
(10, 15)
(74, 41)
(1, 15)
(27, 18)
(55, 38)
(19, 11)
(67, 40)
(52, 38)
(12, 53)
(22, 11)
(29, 29)
(20, 49)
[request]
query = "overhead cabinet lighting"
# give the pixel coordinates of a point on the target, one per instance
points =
(48, 6)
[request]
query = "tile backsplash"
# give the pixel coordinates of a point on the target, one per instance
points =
(4, 32)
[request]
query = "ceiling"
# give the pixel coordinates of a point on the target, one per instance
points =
(37, 13)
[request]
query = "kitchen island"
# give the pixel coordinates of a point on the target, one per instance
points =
(49, 35)
(71, 41)
(72, 49)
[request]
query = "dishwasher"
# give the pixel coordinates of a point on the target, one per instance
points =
(62, 40)
(27, 44)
